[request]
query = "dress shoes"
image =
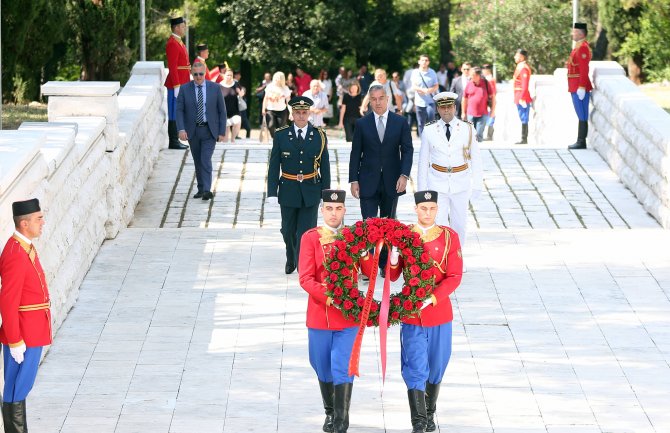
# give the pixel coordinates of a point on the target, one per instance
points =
(289, 268)
(198, 194)
(207, 195)
(179, 146)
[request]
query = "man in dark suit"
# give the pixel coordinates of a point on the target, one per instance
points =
(458, 86)
(381, 159)
(201, 119)
(300, 151)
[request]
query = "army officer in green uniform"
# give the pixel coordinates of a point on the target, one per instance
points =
(299, 170)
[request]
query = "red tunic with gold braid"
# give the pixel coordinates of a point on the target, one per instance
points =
(314, 246)
(24, 297)
(199, 59)
(578, 67)
(178, 66)
(521, 81)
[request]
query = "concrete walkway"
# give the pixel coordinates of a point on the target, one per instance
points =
(186, 323)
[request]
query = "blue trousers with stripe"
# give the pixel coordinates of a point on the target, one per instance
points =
(424, 353)
(19, 378)
(329, 353)
(172, 105)
(523, 113)
(581, 107)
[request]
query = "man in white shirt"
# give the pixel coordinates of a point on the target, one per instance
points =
(425, 85)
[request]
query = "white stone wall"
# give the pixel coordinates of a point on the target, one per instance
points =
(88, 166)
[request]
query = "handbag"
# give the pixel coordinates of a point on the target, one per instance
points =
(241, 103)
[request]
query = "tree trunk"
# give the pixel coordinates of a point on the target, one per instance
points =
(446, 48)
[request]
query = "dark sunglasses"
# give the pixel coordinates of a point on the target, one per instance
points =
(198, 74)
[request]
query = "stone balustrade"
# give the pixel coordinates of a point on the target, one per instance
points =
(88, 165)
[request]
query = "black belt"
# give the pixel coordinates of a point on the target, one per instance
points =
(201, 124)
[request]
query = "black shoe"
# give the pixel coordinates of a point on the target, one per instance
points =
(382, 272)
(524, 134)
(578, 145)
(327, 395)
(198, 194)
(207, 195)
(179, 146)
(582, 132)
(417, 408)
(341, 403)
(289, 268)
(432, 392)
(14, 417)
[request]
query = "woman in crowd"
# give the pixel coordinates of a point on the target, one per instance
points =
(327, 87)
(231, 90)
(350, 111)
(277, 95)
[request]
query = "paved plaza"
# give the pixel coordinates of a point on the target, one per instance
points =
(186, 322)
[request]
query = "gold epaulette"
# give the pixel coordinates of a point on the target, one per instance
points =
(430, 123)
(281, 128)
(467, 121)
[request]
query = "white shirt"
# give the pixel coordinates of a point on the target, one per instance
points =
(23, 238)
(385, 118)
(425, 230)
(334, 230)
(304, 130)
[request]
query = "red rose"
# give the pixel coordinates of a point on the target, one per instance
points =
(397, 233)
(428, 288)
(426, 274)
(416, 242)
(406, 252)
(419, 304)
(361, 245)
(340, 245)
(396, 302)
(425, 257)
(360, 301)
(353, 293)
(369, 323)
(410, 259)
(408, 305)
(337, 291)
(414, 269)
(331, 286)
(354, 249)
(346, 231)
(348, 284)
(374, 307)
(334, 266)
(337, 301)
(345, 272)
(348, 305)
(414, 281)
(349, 261)
(421, 292)
(359, 231)
(359, 223)
(395, 315)
(348, 237)
(406, 290)
(407, 233)
(341, 255)
(333, 277)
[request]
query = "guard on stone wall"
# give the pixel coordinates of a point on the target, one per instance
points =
(26, 317)
(203, 55)
(579, 84)
(179, 72)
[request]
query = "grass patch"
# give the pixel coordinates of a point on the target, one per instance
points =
(13, 115)
(659, 93)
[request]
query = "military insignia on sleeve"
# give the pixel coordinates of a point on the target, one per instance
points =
(428, 196)
(583, 55)
(430, 123)
(460, 254)
(283, 127)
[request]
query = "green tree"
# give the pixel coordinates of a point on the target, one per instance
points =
(621, 19)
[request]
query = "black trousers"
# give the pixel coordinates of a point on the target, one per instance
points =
(382, 205)
(349, 124)
(276, 119)
(295, 221)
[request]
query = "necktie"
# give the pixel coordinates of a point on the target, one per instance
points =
(448, 131)
(200, 117)
(299, 134)
(380, 128)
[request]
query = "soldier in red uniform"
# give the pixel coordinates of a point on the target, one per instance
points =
(26, 318)
(179, 73)
(521, 93)
(426, 340)
(203, 55)
(331, 336)
(579, 84)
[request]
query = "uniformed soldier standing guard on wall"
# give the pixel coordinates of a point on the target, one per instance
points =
(203, 55)
(579, 83)
(26, 318)
(521, 93)
(299, 170)
(179, 73)
(331, 335)
(450, 163)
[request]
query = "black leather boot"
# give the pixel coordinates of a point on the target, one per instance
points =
(173, 135)
(327, 395)
(524, 134)
(432, 392)
(14, 417)
(417, 408)
(341, 402)
(582, 132)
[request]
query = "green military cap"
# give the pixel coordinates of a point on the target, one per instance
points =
(300, 103)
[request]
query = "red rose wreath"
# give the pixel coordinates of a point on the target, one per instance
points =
(342, 281)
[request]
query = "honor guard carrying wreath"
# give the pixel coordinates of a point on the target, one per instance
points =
(579, 84)
(299, 170)
(450, 163)
(331, 336)
(26, 317)
(179, 72)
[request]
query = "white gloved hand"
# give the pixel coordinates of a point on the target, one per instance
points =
(427, 302)
(17, 353)
(176, 92)
(523, 103)
(272, 200)
(394, 256)
(476, 194)
(364, 253)
(581, 92)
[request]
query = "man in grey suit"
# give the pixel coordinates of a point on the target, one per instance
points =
(458, 86)
(201, 119)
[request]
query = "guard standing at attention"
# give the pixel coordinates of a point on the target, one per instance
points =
(579, 84)
(26, 317)
(521, 93)
(179, 72)
(331, 336)
(203, 55)
(299, 170)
